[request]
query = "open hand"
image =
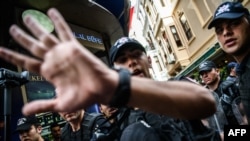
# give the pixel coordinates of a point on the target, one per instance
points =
(79, 77)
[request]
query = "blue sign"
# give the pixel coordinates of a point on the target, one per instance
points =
(89, 38)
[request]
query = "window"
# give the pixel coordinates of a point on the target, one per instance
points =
(151, 45)
(186, 27)
(162, 3)
(163, 50)
(202, 10)
(176, 36)
(151, 10)
(158, 63)
(168, 46)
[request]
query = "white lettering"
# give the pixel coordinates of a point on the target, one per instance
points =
(89, 38)
(236, 132)
(231, 132)
(243, 131)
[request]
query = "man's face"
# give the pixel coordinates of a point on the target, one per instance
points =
(233, 35)
(56, 132)
(210, 77)
(32, 134)
(107, 111)
(69, 117)
(135, 60)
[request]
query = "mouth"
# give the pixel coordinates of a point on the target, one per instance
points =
(137, 72)
(207, 80)
(230, 42)
(68, 115)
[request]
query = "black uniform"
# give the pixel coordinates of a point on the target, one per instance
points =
(87, 129)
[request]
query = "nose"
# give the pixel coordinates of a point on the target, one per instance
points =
(203, 74)
(132, 62)
(23, 134)
(227, 30)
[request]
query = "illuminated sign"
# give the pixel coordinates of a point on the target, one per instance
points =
(87, 37)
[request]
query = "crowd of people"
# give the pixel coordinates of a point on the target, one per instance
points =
(144, 104)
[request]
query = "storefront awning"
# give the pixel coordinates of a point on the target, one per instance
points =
(120, 9)
(83, 13)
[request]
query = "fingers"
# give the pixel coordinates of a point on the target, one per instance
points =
(49, 40)
(38, 106)
(28, 42)
(62, 28)
(23, 61)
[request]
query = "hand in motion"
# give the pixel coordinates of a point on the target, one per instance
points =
(81, 79)
(64, 62)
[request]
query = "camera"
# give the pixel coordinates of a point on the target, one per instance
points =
(13, 78)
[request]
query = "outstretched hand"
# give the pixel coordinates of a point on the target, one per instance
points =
(79, 77)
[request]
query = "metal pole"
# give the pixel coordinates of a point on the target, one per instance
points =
(8, 80)
(7, 114)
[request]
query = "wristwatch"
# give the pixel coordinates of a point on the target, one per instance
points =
(123, 90)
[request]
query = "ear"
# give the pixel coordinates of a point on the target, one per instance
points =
(39, 129)
(149, 61)
(218, 71)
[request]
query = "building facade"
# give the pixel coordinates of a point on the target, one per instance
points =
(177, 35)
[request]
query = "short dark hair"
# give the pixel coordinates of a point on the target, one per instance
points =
(54, 124)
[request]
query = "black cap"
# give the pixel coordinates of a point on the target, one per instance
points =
(206, 66)
(25, 123)
(228, 10)
(122, 43)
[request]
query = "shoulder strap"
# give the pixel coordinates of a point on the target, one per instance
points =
(66, 131)
(88, 123)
